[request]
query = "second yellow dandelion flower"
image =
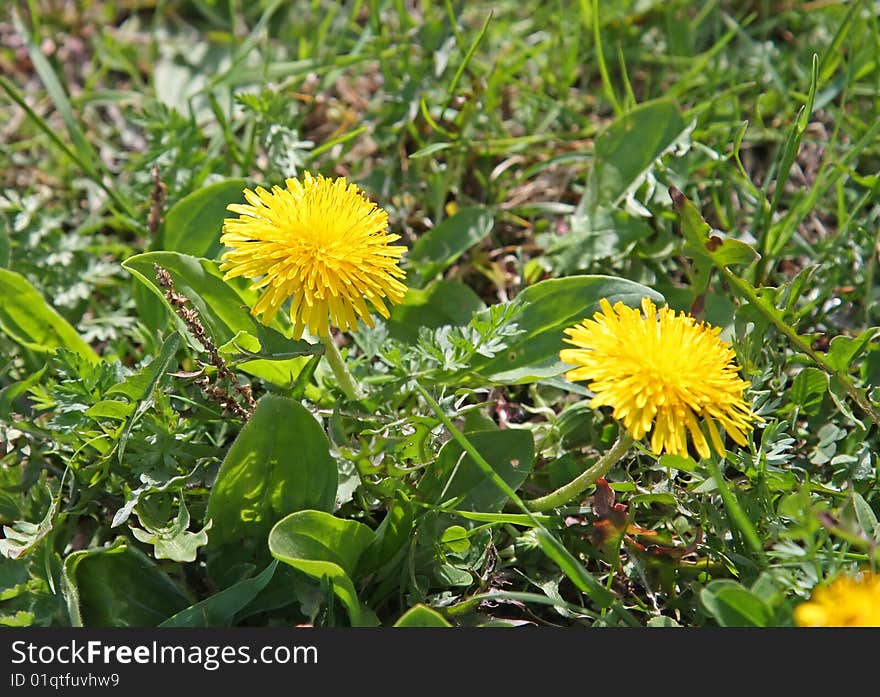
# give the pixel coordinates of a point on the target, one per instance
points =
(662, 374)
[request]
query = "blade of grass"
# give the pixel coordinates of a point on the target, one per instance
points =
(554, 549)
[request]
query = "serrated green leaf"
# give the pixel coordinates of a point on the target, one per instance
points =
(173, 541)
(808, 388)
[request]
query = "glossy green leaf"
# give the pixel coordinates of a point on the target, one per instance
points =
(548, 308)
(194, 223)
(422, 616)
(280, 463)
(27, 319)
(441, 303)
(323, 546)
(223, 310)
(118, 586)
(438, 248)
(510, 452)
(219, 609)
(733, 605)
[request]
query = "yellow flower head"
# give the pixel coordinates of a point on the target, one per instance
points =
(661, 371)
(322, 244)
(847, 602)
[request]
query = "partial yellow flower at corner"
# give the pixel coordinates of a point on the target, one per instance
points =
(322, 244)
(849, 601)
(663, 374)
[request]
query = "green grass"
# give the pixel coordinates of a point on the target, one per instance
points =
(520, 151)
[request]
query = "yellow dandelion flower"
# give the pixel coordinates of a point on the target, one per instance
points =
(322, 244)
(663, 372)
(847, 602)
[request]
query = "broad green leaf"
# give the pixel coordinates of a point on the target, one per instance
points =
(627, 150)
(27, 319)
(548, 308)
(422, 616)
(223, 310)
(219, 609)
(280, 463)
(573, 569)
(323, 546)
(118, 586)
(733, 605)
(194, 223)
(440, 303)
(683, 464)
(393, 533)
(438, 248)
(454, 474)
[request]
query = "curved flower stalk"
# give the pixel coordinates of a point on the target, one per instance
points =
(663, 374)
(322, 245)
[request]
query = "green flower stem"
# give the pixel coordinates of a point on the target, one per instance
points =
(566, 493)
(346, 381)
